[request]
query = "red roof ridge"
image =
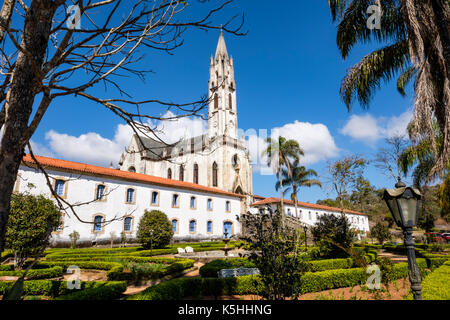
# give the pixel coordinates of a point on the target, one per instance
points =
(126, 175)
(306, 204)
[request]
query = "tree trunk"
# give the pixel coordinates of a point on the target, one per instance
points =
(20, 98)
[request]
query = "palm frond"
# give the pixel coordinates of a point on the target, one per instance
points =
(365, 77)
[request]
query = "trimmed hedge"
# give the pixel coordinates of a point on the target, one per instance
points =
(115, 270)
(108, 291)
(210, 270)
(436, 286)
(52, 288)
(35, 274)
(177, 289)
(310, 282)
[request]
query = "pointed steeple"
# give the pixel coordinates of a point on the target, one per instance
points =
(221, 50)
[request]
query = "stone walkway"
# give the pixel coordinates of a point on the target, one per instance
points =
(396, 258)
(192, 273)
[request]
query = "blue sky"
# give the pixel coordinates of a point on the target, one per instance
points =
(288, 71)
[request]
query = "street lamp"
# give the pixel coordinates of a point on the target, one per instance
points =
(151, 242)
(403, 202)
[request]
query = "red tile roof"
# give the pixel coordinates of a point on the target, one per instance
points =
(305, 204)
(88, 169)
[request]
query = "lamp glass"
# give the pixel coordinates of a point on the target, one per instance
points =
(409, 206)
(392, 203)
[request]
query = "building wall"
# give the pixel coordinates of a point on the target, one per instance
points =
(82, 188)
(310, 216)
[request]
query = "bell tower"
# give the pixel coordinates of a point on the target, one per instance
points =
(222, 93)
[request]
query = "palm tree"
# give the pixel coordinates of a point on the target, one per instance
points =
(279, 151)
(301, 177)
(417, 38)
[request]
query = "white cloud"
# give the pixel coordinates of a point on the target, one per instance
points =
(364, 128)
(171, 131)
(92, 148)
(368, 129)
(314, 139)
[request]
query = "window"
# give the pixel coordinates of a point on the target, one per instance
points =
(59, 187)
(214, 174)
(132, 169)
(193, 203)
(228, 229)
(196, 173)
(98, 223)
(209, 227)
(175, 225)
(230, 101)
(216, 101)
(289, 212)
(209, 204)
(155, 198)
(130, 195)
(261, 211)
(192, 226)
(169, 173)
(227, 206)
(100, 192)
(127, 224)
(300, 214)
(181, 173)
(309, 213)
(175, 201)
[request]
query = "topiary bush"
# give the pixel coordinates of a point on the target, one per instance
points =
(162, 230)
(31, 221)
(108, 291)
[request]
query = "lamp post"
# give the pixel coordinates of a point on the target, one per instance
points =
(403, 202)
(151, 242)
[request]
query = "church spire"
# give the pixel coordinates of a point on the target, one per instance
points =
(221, 50)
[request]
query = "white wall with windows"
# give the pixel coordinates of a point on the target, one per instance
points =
(310, 215)
(98, 199)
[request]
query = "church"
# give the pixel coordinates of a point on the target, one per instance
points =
(218, 159)
(202, 183)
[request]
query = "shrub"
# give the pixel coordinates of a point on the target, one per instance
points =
(381, 233)
(333, 235)
(31, 220)
(53, 272)
(162, 229)
(52, 288)
(108, 291)
(74, 236)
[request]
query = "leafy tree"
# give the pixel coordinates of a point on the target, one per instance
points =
(301, 177)
(344, 174)
(381, 232)
(74, 236)
(416, 47)
(162, 229)
(333, 235)
(275, 250)
(32, 219)
(388, 159)
(279, 152)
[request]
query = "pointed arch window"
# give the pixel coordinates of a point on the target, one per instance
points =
(181, 173)
(214, 174)
(216, 101)
(169, 173)
(230, 101)
(196, 173)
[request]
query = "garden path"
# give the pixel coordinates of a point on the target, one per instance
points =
(396, 258)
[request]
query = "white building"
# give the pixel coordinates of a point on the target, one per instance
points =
(202, 184)
(111, 200)
(308, 213)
